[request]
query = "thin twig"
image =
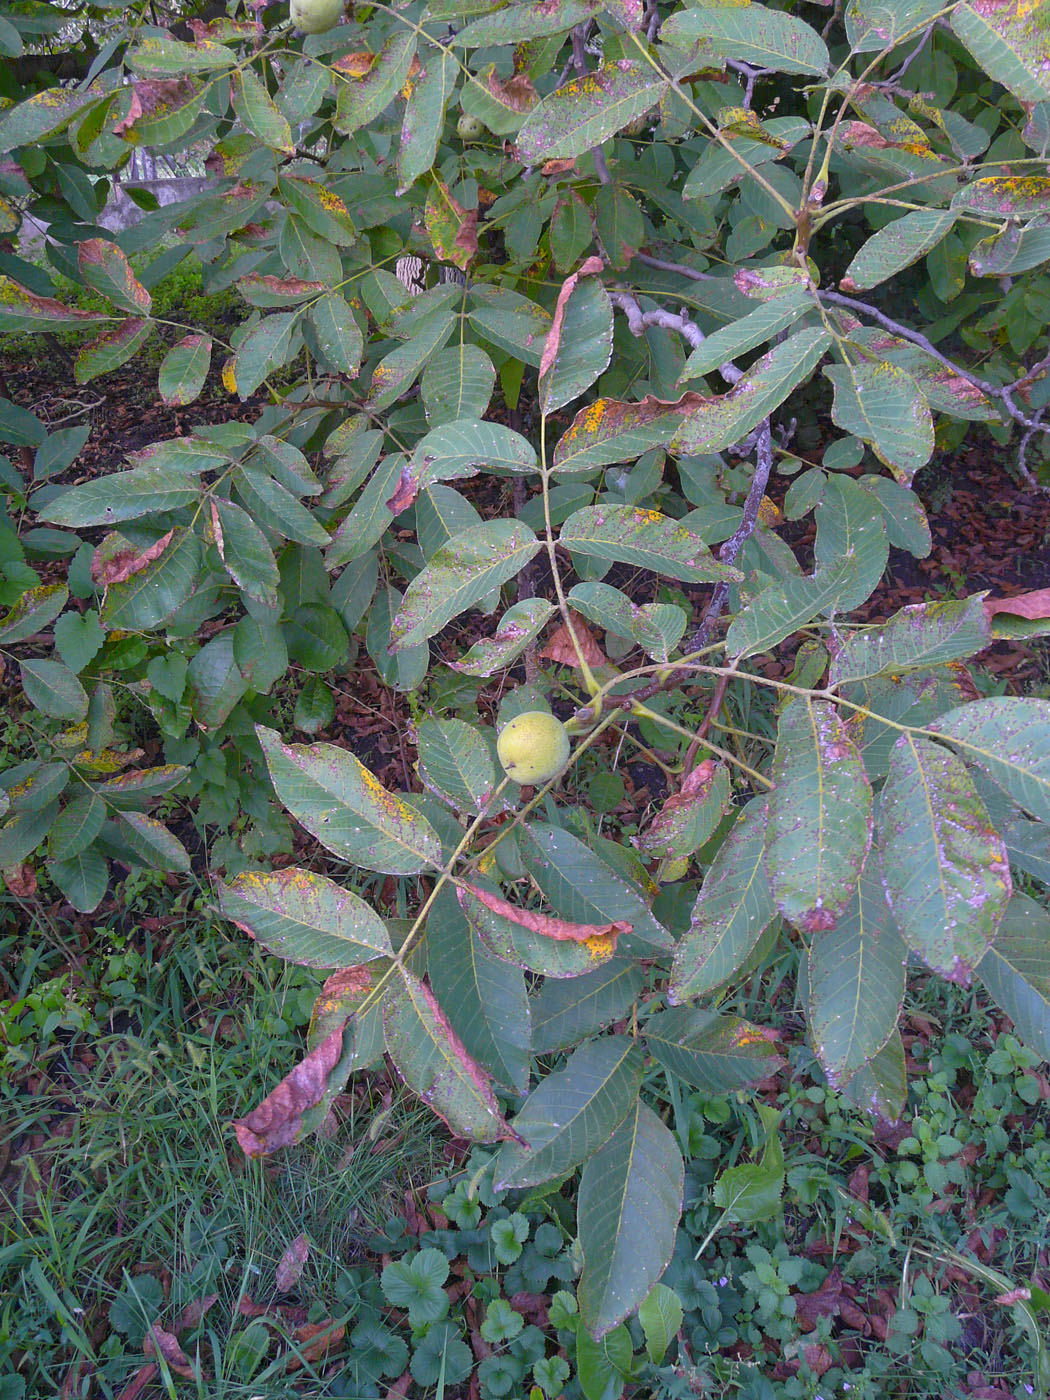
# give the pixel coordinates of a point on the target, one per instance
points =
(682, 268)
(743, 532)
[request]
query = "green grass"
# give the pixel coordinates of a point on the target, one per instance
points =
(126, 1196)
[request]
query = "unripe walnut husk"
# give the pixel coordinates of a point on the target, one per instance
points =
(316, 16)
(533, 748)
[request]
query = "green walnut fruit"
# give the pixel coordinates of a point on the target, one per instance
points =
(316, 16)
(533, 747)
(469, 128)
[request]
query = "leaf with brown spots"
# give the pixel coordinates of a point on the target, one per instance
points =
(166, 1344)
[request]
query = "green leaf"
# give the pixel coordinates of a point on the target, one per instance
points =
(424, 116)
(720, 422)
(260, 652)
(76, 826)
(819, 816)
(689, 817)
(461, 449)
(1028, 846)
(359, 100)
(435, 1064)
(155, 593)
(305, 918)
(756, 328)
(172, 58)
(1016, 971)
(583, 112)
(717, 1054)
(755, 34)
(339, 801)
(661, 1317)
(184, 370)
(111, 349)
(849, 524)
(43, 114)
(751, 1193)
(314, 706)
(521, 624)
(508, 935)
(456, 763)
(398, 370)
(782, 608)
(53, 689)
(156, 846)
(881, 404)
(534, 19)
(1010, 740)
(29, 787)
(856, 983)
(83, 878)
(33, 611)
(483, 996)
(1010, 47)
(566, 1010)
(319, 207)
(645, 538)
(630, 1202)
(582, 887)
(23, 833)
(572, 1112)
(215, 682)
(510, 322)
(881, 1086)
(339, 336)
(265, 348)
(733, 909)
(273, 505)
(944, 866)
(406, 668)
(459, 575)
(258, 112)
(457, 383)
(917, 637)
(245, 551)
(132, 788)
(24, 311)
(367, 522)
(122, 496)
(579, 346)
(896, 247)
(105, 267)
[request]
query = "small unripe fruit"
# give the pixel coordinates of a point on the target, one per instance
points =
(533, 747)
(469, 128)
(316, 16)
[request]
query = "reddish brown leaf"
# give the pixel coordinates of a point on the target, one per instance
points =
(558, 166)
(166, 1344)
(192, 1314)
(314, 1340)
(152, 95)
(546, 924)
(277, 1121)
(810, 1307)
(139, 1381)
(1035, 604)
(517, 93)
(107, 568)
(291, 1263)
(355, 65)
(550, 349)
(560, 647)
(407, 490)
(21, 880)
